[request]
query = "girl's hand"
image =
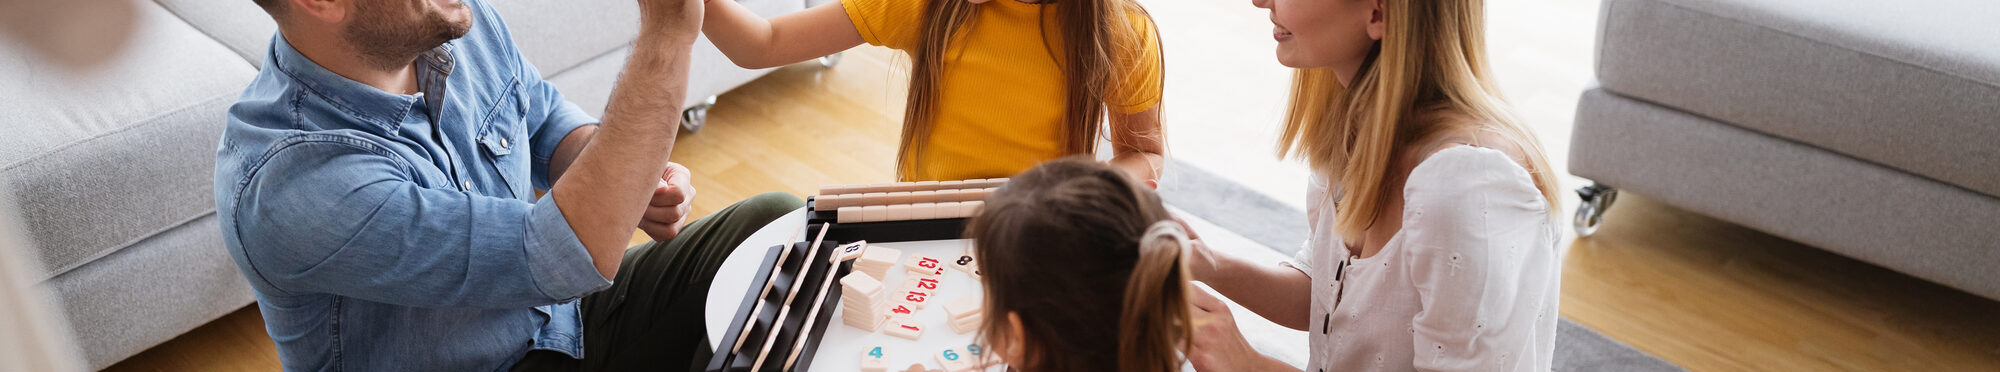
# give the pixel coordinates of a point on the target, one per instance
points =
(673, 19)
(1217, 344)
(1140, 167)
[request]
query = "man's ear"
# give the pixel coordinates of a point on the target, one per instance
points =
(319, 11)
(1375, 21)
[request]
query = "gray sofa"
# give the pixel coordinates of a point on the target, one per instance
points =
(1867, 129)
(111, 168)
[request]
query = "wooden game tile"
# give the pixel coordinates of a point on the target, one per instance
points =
(963, 307)
(861, 285)
(915, 299)
(908, 329)
(874, 360)
(874, 213)
(923, 264)
(954, 360)
(849, 251)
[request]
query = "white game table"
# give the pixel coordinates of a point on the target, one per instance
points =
(841, 347)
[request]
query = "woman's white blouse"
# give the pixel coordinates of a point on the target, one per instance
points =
(1470, 283)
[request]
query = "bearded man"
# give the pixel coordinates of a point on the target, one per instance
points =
(376, 185)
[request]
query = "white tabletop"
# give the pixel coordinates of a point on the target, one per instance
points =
(841, 347)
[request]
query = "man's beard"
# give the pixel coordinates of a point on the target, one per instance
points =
(388, 42)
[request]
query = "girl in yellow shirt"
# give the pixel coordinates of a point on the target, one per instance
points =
(996, 86)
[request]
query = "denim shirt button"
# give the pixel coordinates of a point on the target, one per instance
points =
(467, 186)
(503, 143)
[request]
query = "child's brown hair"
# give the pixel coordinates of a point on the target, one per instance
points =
(1093, 265)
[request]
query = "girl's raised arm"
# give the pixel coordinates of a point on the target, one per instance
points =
(1139, 145)
(754, 42)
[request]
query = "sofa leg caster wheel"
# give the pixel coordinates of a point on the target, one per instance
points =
(693, 118)
(829, 60)
(1597, 198)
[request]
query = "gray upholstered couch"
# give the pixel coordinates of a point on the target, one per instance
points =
(1870, 129)
(111, 168)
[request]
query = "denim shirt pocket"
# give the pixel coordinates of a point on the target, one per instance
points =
(503, 133)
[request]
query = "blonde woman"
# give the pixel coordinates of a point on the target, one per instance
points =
(1433, 245)
(996, 86)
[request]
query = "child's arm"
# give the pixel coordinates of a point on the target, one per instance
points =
(1138, 145)
(753, 42)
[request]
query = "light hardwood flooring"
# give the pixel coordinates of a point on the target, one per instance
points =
(1712, 296)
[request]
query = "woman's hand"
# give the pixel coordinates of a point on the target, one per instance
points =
(1202, 262)
(1218, 345)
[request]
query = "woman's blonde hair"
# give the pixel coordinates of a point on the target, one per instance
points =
(1432, 58)
(1096, 34)
(1072, 247)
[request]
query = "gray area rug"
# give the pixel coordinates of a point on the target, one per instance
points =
(1281, 227)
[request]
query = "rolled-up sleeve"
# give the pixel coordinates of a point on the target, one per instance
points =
(560, 264)
(346, 217)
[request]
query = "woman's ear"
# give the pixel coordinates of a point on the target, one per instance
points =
(1014, 353)
(1375, 21)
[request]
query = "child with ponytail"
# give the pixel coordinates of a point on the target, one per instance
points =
(1081, 262)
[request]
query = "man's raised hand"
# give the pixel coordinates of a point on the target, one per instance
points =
(675, 19)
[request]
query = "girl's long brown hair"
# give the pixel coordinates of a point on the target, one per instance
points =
(1071, 247)
(1093, 30)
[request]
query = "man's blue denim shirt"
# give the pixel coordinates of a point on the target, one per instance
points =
(400, 232)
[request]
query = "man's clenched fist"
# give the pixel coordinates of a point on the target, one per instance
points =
(672, 201)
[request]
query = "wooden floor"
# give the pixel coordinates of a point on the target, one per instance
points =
(1695, 291)
(1712, 296)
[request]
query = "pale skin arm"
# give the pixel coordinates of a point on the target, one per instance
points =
(1139, 146)
(606, 188)
(665, 214)
(566, 151)
(751, 41)
(1218, 345)
(1279, 294)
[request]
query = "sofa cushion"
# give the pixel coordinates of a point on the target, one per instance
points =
(99, 159)
(556, 35)
(1927, 229)
(160, 287)
(588, 81)
(1914, 85)
(238, 24)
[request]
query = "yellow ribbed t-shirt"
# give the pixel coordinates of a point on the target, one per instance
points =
(1001, 107)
